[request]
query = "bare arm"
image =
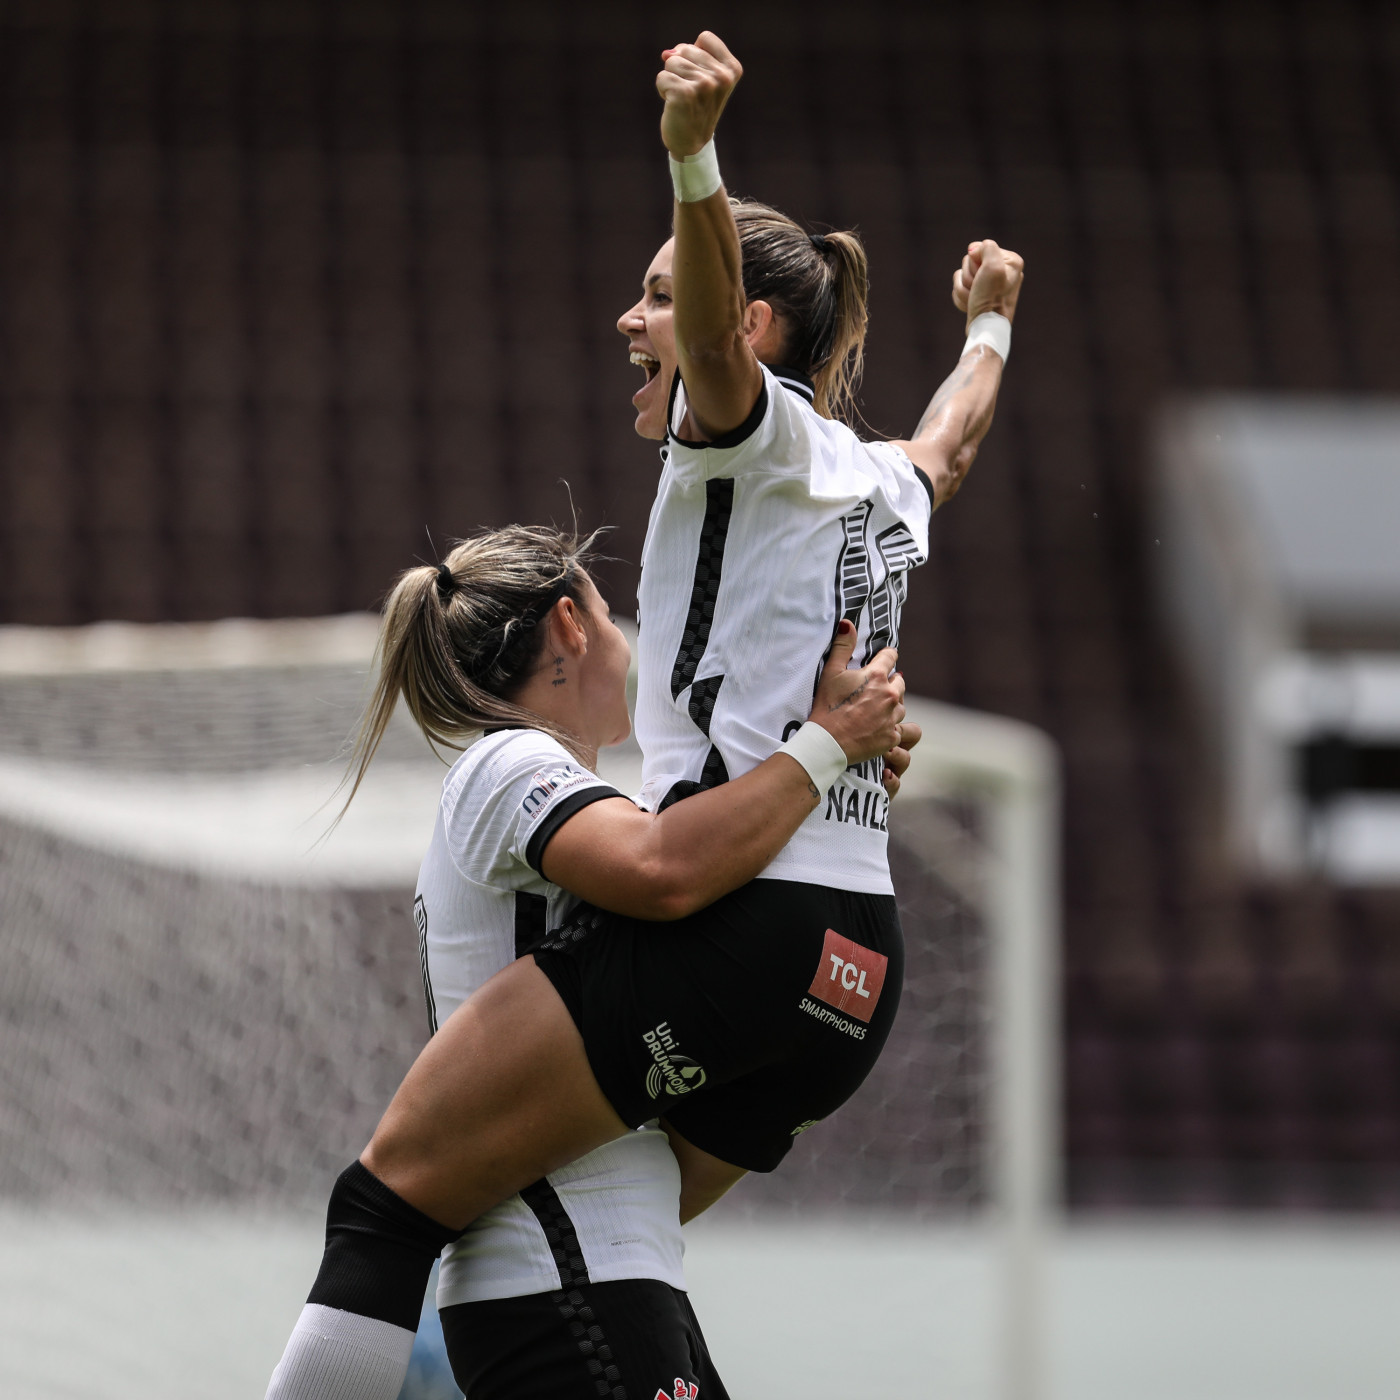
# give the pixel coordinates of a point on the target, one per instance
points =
(668, 864)
(717, 362)
(951, 430)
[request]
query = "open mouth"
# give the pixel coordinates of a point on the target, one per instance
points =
(649, 363)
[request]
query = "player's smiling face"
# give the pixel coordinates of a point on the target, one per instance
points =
(651, 343)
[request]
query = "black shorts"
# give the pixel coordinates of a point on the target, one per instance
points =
(635, 1337)
(742, 1025)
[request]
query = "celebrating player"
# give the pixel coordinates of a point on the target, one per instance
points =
(511, 636)
(747, 1022)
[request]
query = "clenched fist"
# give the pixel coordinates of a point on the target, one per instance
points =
(988, 280)
(695, 83)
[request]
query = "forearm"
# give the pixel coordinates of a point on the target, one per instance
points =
(956, 420)
(721, 375)
(666, 865)
(708, 280)
(724, 837)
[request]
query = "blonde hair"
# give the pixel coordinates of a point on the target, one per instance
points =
(459, 638)
(820, 283)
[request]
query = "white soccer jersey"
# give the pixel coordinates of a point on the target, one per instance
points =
(480, 901)
(759, 543)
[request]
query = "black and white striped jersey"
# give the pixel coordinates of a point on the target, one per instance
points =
(759, 542)
(480, 903)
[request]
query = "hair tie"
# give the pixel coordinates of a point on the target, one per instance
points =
(446, 583)
(820, 243)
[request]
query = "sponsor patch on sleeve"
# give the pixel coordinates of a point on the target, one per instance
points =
(849, 977)
(547, 784)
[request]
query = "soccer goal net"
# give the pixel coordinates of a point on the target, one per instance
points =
(201, 1000)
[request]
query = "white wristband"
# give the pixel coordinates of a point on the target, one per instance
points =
(993, 330)
(818, 752)
(696, 177)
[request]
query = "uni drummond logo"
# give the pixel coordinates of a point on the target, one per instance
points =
(674, 1073)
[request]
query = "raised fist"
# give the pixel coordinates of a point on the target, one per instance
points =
(988, 280)
(695, 83)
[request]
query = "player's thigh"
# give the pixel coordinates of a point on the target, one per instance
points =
(499, 1097)
(637, 1337)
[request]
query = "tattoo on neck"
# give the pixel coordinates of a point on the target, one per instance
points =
(559, 677)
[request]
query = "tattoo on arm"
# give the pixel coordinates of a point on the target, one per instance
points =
(812, 788)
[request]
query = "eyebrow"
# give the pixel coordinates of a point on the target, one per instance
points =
(654, 279)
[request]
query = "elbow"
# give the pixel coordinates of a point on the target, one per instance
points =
(673, 899)
(662, 892)
(951, 472)
(670, 906)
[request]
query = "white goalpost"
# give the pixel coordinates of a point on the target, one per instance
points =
(1012, 771)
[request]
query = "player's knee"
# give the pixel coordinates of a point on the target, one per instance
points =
(379, 1250)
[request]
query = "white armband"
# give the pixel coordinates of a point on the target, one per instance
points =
(818, 752)
(696, 177)
(993, 330)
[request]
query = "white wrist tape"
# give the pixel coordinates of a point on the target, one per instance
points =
(992, 329)
(818, 752)
(696, 177)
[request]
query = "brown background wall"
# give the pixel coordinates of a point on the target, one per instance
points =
(284, 285)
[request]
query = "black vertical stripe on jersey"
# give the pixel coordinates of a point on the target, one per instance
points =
(559, 1232)
(701, 704)
(531, 919)
(420, 922)
(704, 591)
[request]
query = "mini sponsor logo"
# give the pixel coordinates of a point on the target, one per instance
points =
(849, 977)
(670, 1072)
(544, 785)
(680, 1390)
(802, 1127)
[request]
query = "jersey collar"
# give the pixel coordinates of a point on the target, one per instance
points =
(795, 380)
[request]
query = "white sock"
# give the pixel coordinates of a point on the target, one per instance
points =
(335, 1355)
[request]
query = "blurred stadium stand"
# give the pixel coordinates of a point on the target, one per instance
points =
(281, 284)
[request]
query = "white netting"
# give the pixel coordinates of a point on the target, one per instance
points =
(174, 1032)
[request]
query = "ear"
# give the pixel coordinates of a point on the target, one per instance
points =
(567, 634)
(763, 330)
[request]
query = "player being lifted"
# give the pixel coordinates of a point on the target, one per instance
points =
(748, 1021)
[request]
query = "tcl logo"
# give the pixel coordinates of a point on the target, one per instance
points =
(849, 977)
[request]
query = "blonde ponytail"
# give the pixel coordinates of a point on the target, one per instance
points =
(457, 640)
(838, 376)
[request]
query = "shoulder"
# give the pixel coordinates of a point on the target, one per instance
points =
(498, 763)
(507, 795)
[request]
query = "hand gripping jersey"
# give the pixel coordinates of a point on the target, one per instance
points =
(481, 902)
(759, 543)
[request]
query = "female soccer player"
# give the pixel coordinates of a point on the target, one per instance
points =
(756, 1017)
(578, 1277)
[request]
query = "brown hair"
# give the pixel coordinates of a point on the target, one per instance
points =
(459, 638)
(820, 285)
